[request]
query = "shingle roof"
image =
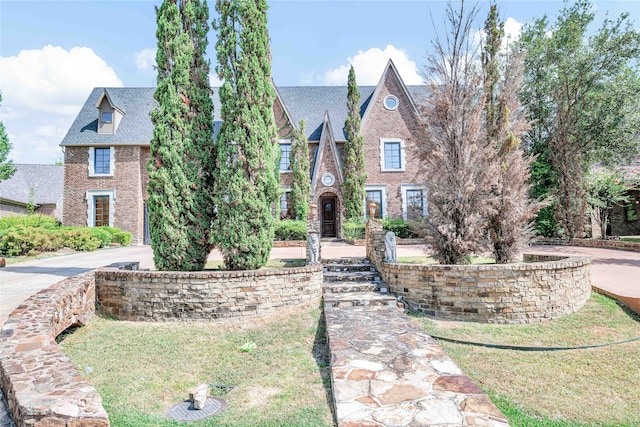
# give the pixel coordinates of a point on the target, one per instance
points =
(135, 129)
(303, 102)
(46, 180)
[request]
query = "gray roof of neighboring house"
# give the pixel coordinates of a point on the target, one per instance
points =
(46, 180)
(302, 102)
(135, 129)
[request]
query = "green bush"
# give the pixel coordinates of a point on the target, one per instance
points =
(17, 241)
(353, 230)
(123, 238)
(103, 235)
(400, 227)
(35, 220)
(80, 239)
(290, 229)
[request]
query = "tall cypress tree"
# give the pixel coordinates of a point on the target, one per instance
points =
(300, 165)
(246, 174)
(7, 169)
(354, 171)
(179, 203)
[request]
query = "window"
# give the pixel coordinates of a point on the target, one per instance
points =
(390, 102)
(101, 161)
(285, 206)
(378, 195)
(414, 205)
(285, 162)
(100, 208)
(392, 157)
(107, 117)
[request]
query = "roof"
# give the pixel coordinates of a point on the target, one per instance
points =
(46, 180)
(309, 103)
(134, 129)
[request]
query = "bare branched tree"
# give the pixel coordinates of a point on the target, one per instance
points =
(456, 153)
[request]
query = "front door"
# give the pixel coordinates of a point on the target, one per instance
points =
(328, 216)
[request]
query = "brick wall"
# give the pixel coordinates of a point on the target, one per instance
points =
(193, 296)
(40, 383)
(542, 287)
(400, 123)
(129, 182)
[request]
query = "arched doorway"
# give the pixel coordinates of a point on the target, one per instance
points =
(329, 215)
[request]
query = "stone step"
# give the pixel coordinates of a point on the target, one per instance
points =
(358, 276)
(337, 268)
(347, 261)
(355, 286)
(359, 300)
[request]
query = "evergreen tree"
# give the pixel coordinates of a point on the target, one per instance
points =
(353, 191)
(246, 173)
(300, 165)
(180, 212)
(506, 124)
(7, 169)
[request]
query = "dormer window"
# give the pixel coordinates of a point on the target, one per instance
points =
(107, 117)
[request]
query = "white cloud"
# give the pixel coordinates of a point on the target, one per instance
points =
(369, 66)
(512, 31)
(145, 59)
(42, 92)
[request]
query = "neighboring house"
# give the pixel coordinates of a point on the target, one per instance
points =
(625, 220)
(107, 150)
(41, 186)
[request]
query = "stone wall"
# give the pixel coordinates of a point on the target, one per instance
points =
(211, 295)
(620, 245)
(40, 383)
(542, 287)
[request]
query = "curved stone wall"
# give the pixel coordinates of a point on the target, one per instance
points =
(543, 287)
(40, 383)
(204, 295)
(620, 245)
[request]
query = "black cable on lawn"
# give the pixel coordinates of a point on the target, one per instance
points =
(525, 348)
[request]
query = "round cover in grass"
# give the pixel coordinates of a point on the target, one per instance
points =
(184, 411)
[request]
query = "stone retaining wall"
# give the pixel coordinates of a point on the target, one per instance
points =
(543, 287)
(620, 245)
(210, 295)
(289, 243)
(40, 383)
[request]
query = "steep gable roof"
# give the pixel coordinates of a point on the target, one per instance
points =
(46, 180)
(114, 105)
(134, 129)
(327, 143)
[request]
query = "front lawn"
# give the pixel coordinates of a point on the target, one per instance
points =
(589, 387)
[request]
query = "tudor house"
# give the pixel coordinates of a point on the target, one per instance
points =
(107, 150)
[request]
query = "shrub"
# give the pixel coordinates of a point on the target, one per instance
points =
(80, 239)
(35, 220)
(103, 235)
(123, 238)
(22, 240)
(400, 227)
(353, 230)
(290, 229)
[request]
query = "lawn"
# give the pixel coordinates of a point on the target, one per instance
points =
(589, 387)
(142, 369)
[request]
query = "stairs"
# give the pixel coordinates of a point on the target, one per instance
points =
(354, 282)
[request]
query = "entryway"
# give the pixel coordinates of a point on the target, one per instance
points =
(328, 216)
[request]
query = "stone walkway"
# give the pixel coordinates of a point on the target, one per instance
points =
(385, 371)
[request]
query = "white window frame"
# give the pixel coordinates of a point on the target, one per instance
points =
(394, 98)
(409, 187)
(91, 214)
(283, 191)
(403, 163)
(383, 189)
(286, 142)
(102, 120)
(92, 162)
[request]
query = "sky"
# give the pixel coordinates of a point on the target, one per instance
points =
(52, 53)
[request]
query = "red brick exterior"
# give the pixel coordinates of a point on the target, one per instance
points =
(129, 182)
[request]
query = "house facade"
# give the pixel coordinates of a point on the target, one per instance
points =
(107, 150)
(37, 187)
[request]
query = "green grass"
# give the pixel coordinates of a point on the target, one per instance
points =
(591, 387)
(272, 263)
(142, 369)
(630, 239)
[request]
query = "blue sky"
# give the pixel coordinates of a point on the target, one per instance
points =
(52, 53)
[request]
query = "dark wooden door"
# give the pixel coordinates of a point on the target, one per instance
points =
(328, 215)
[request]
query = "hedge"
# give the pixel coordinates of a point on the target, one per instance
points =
(290, 229)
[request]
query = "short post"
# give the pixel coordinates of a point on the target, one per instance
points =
(313, 236)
